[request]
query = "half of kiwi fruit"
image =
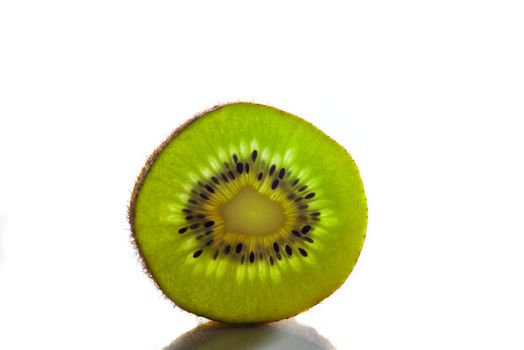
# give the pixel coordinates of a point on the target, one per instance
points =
(248, 214)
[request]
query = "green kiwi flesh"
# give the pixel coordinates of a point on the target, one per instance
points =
(248, 214)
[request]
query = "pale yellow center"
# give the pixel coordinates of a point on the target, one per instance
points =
(249, 212)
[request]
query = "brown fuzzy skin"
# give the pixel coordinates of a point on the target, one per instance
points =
(145, 170)
(140, 180)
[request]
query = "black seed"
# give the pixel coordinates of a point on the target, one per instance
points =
(182, 230)
(251, 257)
(276, 247)
(272, 169)
(260, 176)
(302, 188)
(223, 176)
(305, 229)
(209, 223)
(210, 189)
(209, 242)
(186, 210)
(208, 232)
(303, 206)
(281, 173)
(274, 184)
(194, 226)
(254, 155)
(296, 233)
(302, 251)
(197, 253)
(235, 158)
(227, 165)
(200, 216)
(231, 175)
(308, 239)
(204, 196)
(240, 167)
(189, 218)
(279, 257)
(294, 182)
(214, 179)
(315, 213)
(216, 255)
(291, 196)
(289, 251)
(227, 249)
(271, 260)
(238, 248)
(310, 195)
(247, 168)
(192, 201)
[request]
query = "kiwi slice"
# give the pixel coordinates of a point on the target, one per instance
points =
(248, 214)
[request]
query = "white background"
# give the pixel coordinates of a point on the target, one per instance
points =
(428, 97)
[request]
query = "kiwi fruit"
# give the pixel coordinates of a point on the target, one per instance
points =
(248, 214)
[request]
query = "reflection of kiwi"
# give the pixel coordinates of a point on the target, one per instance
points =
(276, 336)
(248, 214)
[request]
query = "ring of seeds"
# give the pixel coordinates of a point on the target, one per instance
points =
(206, 218)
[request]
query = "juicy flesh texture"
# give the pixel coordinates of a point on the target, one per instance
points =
(251, 213)
(228, 267)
